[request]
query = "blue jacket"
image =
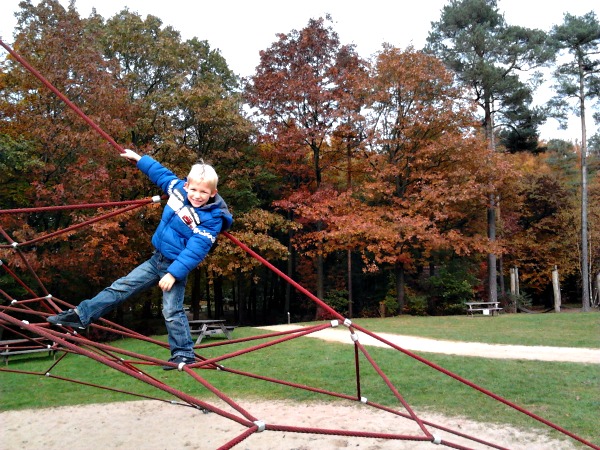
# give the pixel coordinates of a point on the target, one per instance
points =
(185, 234)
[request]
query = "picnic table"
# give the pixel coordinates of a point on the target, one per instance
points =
(210, 327)
(486, 308)
(9, 347)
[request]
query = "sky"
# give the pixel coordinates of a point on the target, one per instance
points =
(240, 29)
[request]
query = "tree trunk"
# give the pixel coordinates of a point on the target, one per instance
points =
(492, 272)
(597, 298)
(491, 215)
(196, 294)
(513, 289)
(350, 311)
(320, 277)
(208, 302)
(267, 302)
(252, 300)
(290, 269)
(218, 294)
(234, 299)
(320, 284)
(501, 276)
(585, 266)
(242, 310)
(349, 254)
(400, 294)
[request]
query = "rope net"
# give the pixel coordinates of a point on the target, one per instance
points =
(24, 317)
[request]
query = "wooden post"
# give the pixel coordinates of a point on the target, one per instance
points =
(597, 301)
(514, 287)
(513, 281)
(556, 288)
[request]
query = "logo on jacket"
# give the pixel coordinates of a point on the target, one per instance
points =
(187, 214)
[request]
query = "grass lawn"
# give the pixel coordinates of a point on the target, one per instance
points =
(567, 394)
(556, 330)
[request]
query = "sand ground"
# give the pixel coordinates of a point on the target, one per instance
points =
(155, 425)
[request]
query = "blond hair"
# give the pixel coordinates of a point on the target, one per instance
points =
(204, 173)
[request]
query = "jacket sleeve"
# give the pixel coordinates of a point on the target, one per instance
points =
(158, 174)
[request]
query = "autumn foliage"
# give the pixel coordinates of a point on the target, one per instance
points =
(340, 170)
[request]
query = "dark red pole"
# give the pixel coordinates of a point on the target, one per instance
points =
(69, 103)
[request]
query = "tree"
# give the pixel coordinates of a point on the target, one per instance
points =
(259, 230)
(175, 100)
(522, 134)
(16, 159)
(424, 174)
(71, 163)
(579, 80)
(300, 98)
(152, 67)
(209, 102)
(430, 173)
(473, 39)
(540, 219)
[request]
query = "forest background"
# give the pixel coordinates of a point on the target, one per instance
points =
(408, 183)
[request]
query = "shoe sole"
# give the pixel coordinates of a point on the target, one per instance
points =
(66, 324)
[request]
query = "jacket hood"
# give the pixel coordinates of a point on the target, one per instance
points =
(218, 207)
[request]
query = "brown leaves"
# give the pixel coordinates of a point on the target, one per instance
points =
(256, 229)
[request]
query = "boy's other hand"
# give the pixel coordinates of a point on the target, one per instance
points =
(166, 282)
(130, 154)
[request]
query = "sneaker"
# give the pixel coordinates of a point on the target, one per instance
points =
(178, 360)
(68, 318)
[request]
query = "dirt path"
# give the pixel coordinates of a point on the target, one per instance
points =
(418, 344)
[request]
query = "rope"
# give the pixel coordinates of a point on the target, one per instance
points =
(126, 367)
(348, 433)
(69, 103)
(478, 388)
(238, 439)
(79, 225)
(258, 347)
(437, 426)
(13, 244)
(121, 368)
(17, 279)
(220, 394)
(82, 206)
(300, 288)
(290, 384)
(391, 386)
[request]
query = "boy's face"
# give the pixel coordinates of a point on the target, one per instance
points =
(198, 192)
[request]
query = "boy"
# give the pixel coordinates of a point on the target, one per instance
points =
(191, 220)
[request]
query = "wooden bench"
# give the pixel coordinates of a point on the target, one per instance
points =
(205, 328)
(24, 346)
(486, 308)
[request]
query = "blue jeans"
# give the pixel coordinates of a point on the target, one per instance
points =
(141, 278)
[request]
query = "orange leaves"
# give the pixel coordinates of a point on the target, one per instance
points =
(396, 173)
(541, 221)
(303, 93)
(256, 229)
(428, 172)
